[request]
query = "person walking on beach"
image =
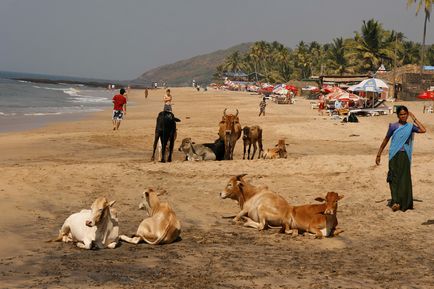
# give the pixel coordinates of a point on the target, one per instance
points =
(167, 101)
(146, 92)
(262, 106)
(400, 152)
(119, 108)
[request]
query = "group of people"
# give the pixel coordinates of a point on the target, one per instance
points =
(120, 106)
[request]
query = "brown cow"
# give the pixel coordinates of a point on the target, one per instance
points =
(240, 190)
(319, 219)
(252, 135)
(229, 132)
(278, 152)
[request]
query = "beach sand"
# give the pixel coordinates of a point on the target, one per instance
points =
(54, 171)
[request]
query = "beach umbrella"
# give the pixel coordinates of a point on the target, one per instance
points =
(369, 85)
(348, 96)
(292, 88)
(426, 95)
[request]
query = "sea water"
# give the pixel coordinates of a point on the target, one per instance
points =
(26, 105)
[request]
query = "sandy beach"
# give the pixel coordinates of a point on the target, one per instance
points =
(54, 171)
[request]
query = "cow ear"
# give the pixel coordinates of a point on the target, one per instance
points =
(340, 197)
(111, 203)
(319, 199)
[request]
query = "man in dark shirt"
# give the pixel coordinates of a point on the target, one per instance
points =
(119, 108)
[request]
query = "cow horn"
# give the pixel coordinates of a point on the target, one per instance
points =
(240, 176)
(237, 112)
(224, 112)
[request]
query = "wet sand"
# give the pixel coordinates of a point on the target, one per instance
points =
(51, 172)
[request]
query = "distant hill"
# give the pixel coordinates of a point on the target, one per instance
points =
(181, 73)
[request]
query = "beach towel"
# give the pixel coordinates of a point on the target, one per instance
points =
(399, 139)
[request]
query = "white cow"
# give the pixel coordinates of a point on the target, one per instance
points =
(162, 226)
(97, 226)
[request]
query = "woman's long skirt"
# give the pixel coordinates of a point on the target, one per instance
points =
(399, 179)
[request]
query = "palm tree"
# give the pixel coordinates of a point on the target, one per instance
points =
(410, 53)
(372, 46)
(260, 52)
(430, 55)
(302, 59)
(336, 56)
(233, 62)
(427, 8)
(280, 61)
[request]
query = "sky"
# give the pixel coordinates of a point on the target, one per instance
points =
(121, 39)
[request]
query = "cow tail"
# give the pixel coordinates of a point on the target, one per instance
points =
(166, 230)
(59, 237)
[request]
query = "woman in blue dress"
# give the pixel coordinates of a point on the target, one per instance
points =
(400, 152)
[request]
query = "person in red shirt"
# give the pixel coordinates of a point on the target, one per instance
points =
(119, 108)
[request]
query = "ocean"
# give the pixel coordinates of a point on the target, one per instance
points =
(25, 105)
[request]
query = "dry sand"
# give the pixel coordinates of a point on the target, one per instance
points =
(51, 172)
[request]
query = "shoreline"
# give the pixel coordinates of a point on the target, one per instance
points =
(12, 124)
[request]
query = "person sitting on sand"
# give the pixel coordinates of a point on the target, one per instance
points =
(119, 108)
(167, 101)
(400, 152)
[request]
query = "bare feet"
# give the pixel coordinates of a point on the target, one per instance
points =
(396, 207)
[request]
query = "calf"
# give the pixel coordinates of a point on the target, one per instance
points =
(278, 152)
(252, 135)
(161, 227)
(97, 226)
(196, 152)
(319, 219)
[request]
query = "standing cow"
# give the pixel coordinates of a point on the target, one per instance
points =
(252, 135)
(229, 132)
(165, 131)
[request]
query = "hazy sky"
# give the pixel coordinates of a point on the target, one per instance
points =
(121, 39)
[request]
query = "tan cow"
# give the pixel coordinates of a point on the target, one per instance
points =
(196, 152)
(229, 132)
(97, 226)
(319, 219)
(278, 152)
(264, 209)
(161, 227)
(261, 206)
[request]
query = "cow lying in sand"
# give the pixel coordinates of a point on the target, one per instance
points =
(278, 152)
(98, 226)
(319, 219)
(161, 227)
(240, 190)
(261, 206)
(196, 152)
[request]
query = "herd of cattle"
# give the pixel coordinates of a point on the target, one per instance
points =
(221, 149)
(260, 208)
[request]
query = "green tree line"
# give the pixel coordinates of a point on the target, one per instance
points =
(365, 52)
